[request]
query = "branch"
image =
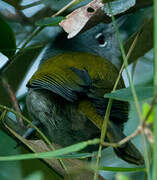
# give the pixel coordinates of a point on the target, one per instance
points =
(13, 99)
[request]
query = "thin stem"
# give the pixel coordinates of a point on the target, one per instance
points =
(134, 96)
(128, 138)
(127, 72)
(107, 114)
(35, 32)
(65, 8)
(13, 99)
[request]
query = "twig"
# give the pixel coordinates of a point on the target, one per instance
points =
(128, 138)
(141, 126)
(109, 144)
(13, 99)
(64, 8)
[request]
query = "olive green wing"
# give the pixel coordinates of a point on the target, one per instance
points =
(73, 84)
(70, 85)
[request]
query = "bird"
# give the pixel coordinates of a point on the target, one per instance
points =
(66, 93)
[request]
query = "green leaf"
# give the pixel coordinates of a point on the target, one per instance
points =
(50, 21)
(143, 93)
(7, 39)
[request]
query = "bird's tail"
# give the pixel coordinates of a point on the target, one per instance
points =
(127, 151)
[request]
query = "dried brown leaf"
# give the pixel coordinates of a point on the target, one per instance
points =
(76, 20)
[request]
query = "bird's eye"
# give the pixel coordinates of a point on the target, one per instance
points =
(101, 40)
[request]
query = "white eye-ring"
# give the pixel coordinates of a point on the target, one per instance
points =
(101, 40)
